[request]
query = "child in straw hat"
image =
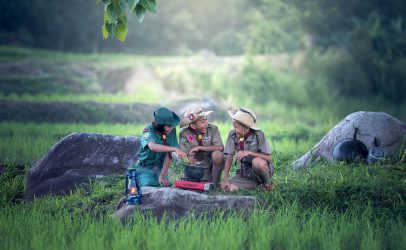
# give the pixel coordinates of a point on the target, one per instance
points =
(251, 149)
(202, 143)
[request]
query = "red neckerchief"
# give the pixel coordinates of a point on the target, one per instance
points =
(241, 148)
(164, 139)
(198, 135)
(241, 140)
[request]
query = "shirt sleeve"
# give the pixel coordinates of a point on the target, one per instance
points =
(217, 141)
(147, 136)
(229, 149)
(263, 144)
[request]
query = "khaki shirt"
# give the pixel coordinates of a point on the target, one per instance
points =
(256, 142)
(188, 140)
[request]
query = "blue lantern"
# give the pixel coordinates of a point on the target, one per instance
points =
(132, 188)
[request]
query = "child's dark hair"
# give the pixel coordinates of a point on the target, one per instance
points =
(158, 127)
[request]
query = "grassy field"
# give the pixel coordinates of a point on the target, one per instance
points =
(327, 206)
(286, 228)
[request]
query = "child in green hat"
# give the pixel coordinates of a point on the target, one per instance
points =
(158, 141)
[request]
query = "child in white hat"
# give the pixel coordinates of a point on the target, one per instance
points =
(202, 142)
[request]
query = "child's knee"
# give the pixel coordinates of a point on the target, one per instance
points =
(260, 165)
(217, 157)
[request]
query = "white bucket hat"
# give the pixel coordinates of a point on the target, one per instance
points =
(245, 116)
(193, 114)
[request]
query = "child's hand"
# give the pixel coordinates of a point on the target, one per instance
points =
(181, 154)
(242, 154)
(225, 186)
(163, 181)
(228, 187)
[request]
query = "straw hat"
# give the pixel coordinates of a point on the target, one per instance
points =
(245, 116)
(164, 116)
(193, 114)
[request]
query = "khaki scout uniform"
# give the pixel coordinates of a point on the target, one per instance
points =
(255, 142)
(188, 140)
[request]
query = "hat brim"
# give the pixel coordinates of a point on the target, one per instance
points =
(232, 113)
(164, 116)
(186, 121)
(176, 120)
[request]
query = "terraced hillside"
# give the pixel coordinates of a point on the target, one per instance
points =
(38, 85)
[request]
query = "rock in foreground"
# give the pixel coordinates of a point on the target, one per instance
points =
(177, 203)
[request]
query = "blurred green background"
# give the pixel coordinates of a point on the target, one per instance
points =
(277, 57)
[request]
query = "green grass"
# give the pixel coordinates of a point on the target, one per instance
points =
(324, 207)
(327, 206)
(28, 142)
(286, 228)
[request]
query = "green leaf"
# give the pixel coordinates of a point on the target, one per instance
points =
(123, 5)
(152, 3)
(149, 5)
(105, 32)
(132, 4)
(116, 12)
(140, 12)
(108, 14)
(121, 31)
(117, 9)
(110, 27)
(122, 18)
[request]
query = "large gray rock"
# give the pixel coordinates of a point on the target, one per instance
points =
(77, 158)
(176, 203)
(390, 132)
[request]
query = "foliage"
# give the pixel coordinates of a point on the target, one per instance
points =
(369, 47)
(264, 84)
(274, 27)
(115, 15)
(178, 27)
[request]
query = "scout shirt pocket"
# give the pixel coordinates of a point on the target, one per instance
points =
(184, 144)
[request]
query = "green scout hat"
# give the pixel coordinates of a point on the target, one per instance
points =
(245, 116)
(164, 116)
